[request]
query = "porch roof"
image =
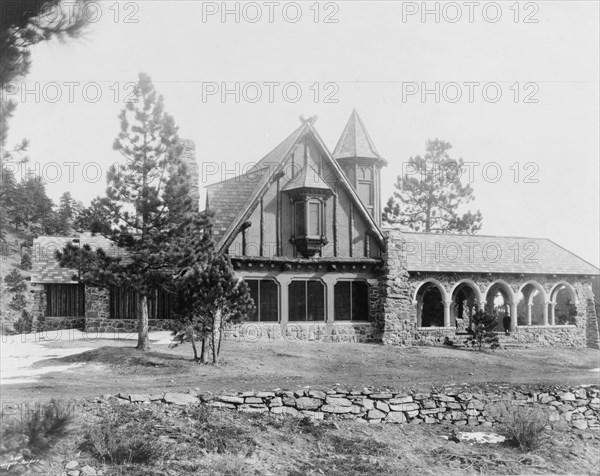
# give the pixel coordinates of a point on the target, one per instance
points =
(456, 253)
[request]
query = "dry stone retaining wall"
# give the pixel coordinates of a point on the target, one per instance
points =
(578, 408)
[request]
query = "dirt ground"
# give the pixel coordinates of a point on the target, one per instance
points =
(112, 366)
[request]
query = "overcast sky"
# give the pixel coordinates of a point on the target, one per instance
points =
(518, 94)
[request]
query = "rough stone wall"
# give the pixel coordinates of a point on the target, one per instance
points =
(393, 316)
(188, 157)
(592, 331)
(304, 332)
(578, 408)
(39, 307)
(97, 315)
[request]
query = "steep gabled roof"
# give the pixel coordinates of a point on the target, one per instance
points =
(355, 141)
(454, 253)
(307, 177)
(243, 193)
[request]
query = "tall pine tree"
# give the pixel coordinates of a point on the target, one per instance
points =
(428, 197)
(146, 206)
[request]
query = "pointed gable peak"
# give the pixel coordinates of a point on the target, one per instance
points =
(355, 141)
(307, 179)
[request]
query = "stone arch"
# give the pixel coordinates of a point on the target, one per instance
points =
(565, 312)
(464, 304)
(430, 298)
(536, 285)
(439, 285)
(560, 285)
(509, 298)
(532, 306)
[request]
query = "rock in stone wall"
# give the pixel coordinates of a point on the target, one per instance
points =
(303, 332)
(577, 407)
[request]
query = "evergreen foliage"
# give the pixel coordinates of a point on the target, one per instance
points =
(483, 330)
(428, 197)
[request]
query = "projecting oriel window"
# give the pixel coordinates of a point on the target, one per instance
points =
(265, 295)
(306, 301)
(351, 299)
(300, 218)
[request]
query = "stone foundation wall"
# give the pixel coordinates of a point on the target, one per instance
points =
(304, 332)
(577, 408)
(56, 323)
(549, 336)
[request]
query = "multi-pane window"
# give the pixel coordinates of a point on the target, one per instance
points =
(306, 301)
(65, 300)
(300, 219)
(264, 293)
(351, 299)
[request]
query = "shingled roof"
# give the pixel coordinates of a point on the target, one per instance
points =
(45, 267)
(355, 141)
(454, 253)
(233, 199)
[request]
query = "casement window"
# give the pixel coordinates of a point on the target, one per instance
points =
(124, 304)
(306, 301)
(265, 295)
(351, 301)
(308, 218)
(65, 300)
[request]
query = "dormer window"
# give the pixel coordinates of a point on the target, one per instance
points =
(308, 194)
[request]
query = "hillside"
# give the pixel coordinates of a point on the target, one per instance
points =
(10, 258)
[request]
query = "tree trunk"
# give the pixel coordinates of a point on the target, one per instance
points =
(193, 338)
(216, 335)
(143, 339)
(205, 350)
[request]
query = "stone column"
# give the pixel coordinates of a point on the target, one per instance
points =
(419, 304)
(545, 313)
(447, 305)
(513, 316)
(329, 303)
(529, 306)
(284, 281)
(552, 315)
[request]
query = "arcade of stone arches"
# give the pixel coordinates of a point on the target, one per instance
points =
(528, 305)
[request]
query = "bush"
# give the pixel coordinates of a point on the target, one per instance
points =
(24, 324)
(15, 282)
(29, 436)
(25, 261)
(483, 330)
(18, 302)
(525, 427)
(123, 436)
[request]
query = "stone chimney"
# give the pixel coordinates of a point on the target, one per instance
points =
(188, 156)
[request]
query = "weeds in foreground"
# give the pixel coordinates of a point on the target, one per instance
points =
(123, 436)
(30, 436)
(525, 427)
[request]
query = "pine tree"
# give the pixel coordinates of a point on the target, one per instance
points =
(428, 197)
(146, 208)
(209, 297)
(483, 330)
(15, 282)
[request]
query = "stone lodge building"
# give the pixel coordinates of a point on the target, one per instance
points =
(303, 228)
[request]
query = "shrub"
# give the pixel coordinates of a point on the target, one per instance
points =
(32, 435)
(15, 282)
(25, 261)
(483, 330)
(123, 436)
(525, 427)
(18, 302)
(24, 324)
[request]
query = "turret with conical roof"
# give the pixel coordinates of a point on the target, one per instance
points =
(357, 156)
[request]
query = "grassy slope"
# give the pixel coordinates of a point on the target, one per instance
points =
(115, 366)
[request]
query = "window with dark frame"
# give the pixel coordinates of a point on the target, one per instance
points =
(351, 301)
(306, 301)
(124, 304)
(265, 294)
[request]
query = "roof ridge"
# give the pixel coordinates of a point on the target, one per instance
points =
(251, 171)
